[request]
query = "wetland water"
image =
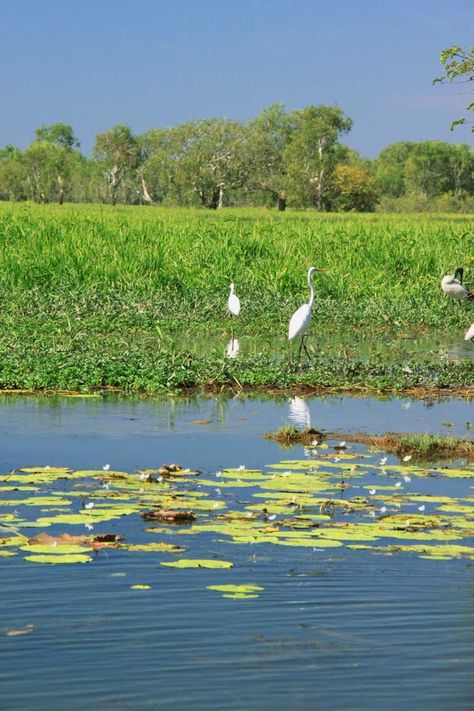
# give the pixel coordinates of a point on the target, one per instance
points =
(332, 627)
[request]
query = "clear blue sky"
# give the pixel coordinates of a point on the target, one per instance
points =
(154, 63)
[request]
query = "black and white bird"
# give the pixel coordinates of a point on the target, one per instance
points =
(453, 287)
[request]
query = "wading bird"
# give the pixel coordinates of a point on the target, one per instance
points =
(454, 288)
(233, 304)
(300, 320)
(470, 334)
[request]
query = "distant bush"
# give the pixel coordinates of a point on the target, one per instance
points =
(417, 203)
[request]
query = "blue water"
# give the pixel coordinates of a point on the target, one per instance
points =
(336, 629)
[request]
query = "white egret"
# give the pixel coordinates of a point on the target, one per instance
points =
(301, 319)
(470, 334)
(233, 304)
(454, 288)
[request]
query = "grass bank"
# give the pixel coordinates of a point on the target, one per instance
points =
(96, 296)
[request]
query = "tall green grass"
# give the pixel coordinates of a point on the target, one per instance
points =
(174, 265)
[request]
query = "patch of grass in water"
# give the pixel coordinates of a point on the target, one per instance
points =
(288, 435)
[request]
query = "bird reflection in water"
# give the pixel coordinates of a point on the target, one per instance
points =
(232, 348)
(299, 413)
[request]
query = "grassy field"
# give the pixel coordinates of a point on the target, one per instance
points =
(94, 296)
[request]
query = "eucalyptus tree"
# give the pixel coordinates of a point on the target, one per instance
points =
(312, 154)
(268, 135)
(208, 160)
(118, 152)
(12, 174)
(48, 162)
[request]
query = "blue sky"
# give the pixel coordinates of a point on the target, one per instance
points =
(156, 63)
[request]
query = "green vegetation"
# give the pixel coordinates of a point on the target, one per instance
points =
(96, 297)
(420, 447)
(279, 158)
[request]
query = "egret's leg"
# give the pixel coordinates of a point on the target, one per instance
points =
(301, 346)
(304, 346)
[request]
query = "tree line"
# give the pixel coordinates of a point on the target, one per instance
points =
(281, 158)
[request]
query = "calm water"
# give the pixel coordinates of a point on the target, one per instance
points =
(333, 629)
(449, 345)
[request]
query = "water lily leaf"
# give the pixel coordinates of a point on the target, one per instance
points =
(140, 587)
(58, 559)
(27, 629)
(235, 588)
(197, 563)
(55, 549)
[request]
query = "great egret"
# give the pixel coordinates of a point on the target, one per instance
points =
(453, 287)
(470, 334)
(300, 320)
(233, 304)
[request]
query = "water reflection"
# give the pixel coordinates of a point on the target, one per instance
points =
(233, 348)
(299, 413)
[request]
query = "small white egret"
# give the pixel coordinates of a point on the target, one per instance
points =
(453, 287)
(470, 334)
(233, 304)
(301, 319)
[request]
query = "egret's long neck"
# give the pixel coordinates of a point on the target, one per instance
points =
(311, 288)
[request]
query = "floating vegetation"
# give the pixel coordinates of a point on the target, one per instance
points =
(406, 446)
(336, 498)
(237, 592)
(288, 435)
(197, 563)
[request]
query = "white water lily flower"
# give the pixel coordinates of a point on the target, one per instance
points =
(398, 484)
(186, 471)
(372, 514)
(89, 526)
(371, 492)
(342, 444)
(383, 509)
(407, 478)
(218, 492)
(422, 507)
(218, 474)
(143, 476)
(337, 459)
(47, 466)
(106, 485)
(314, 443)
(407, 458)
(383, 461)
(106, 467)
(215, 506)
(90, 505)
(272, 517)
(241, 466)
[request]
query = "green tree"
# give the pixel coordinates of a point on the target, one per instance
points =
(458, 67)
(311, 155)
(12, 174)
(435, 167)
(268, 136)
(119, 153)
(49, 161)
(390, 168)
(207, 160)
